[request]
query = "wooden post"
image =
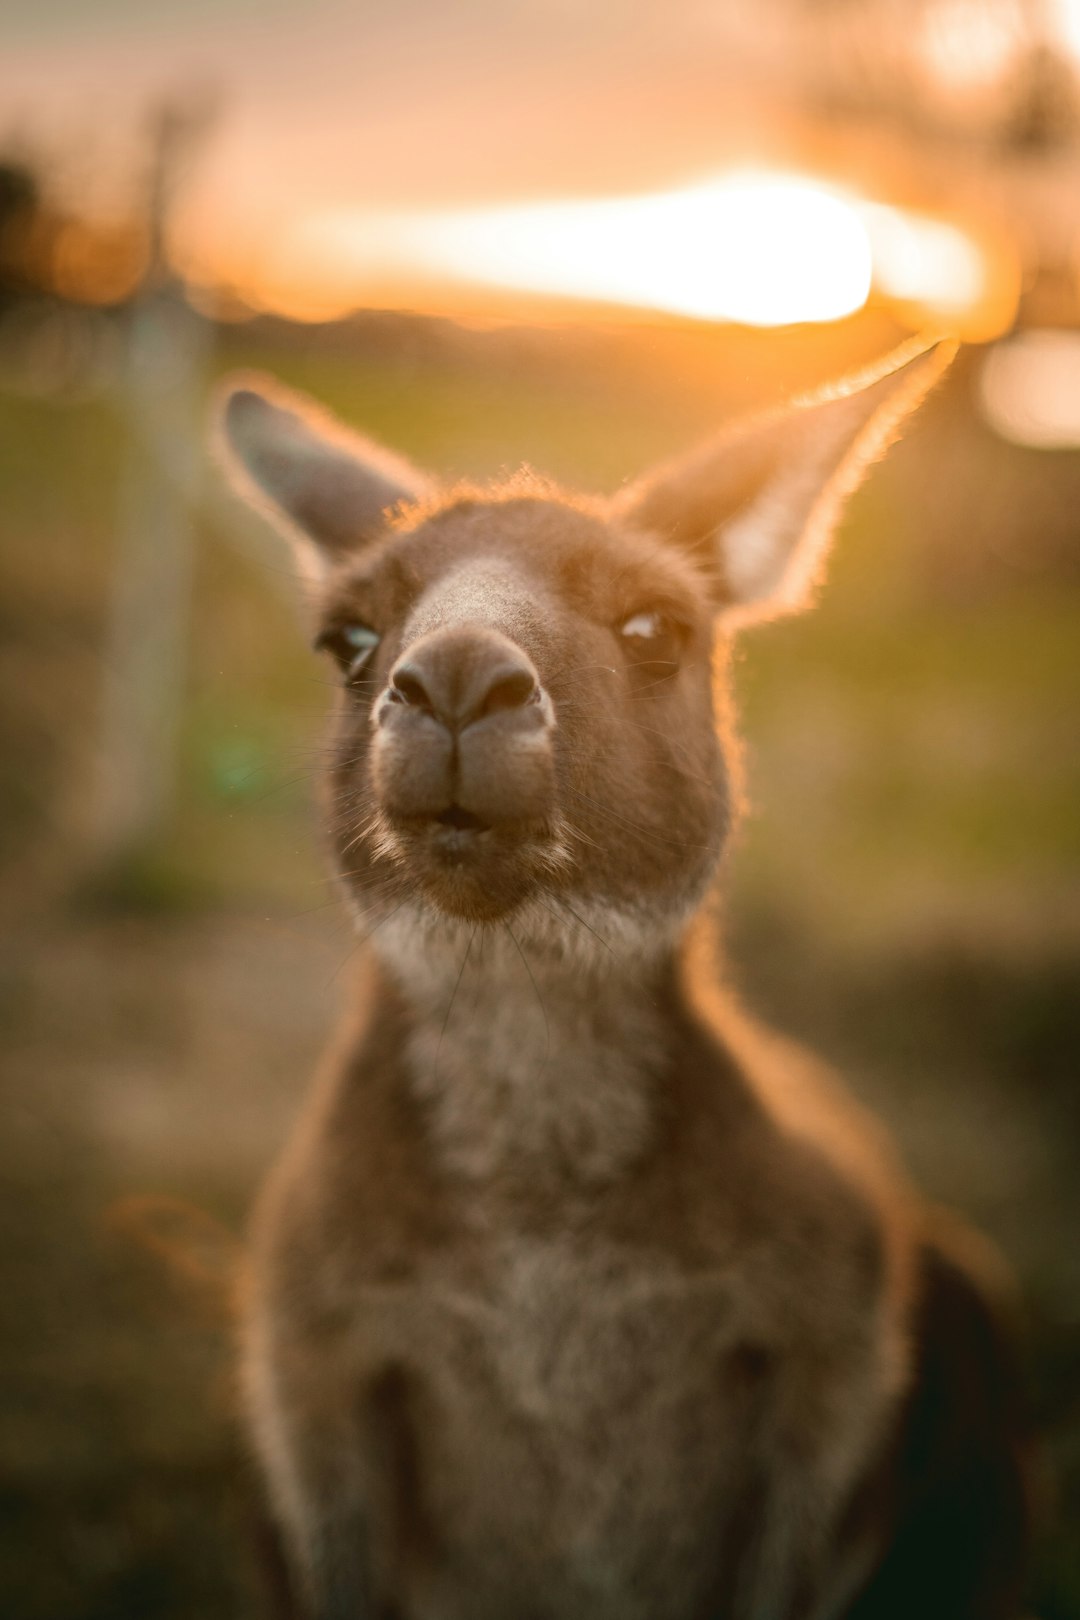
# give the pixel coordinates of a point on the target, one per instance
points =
(145, 651)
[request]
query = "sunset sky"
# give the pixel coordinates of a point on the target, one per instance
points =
(410, 104)
(333, 117)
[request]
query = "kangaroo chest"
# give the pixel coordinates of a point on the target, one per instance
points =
(588, 1413)
(580, 1425)
(567, 1336)
(589, 1399)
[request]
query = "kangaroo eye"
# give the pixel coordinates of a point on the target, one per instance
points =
(350, 646)
(652, 645)
(644, 627)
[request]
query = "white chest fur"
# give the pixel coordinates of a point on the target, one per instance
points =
(525, 1069)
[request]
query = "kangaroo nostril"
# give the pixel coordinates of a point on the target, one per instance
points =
(407, 687)
(460, 676)
(510, 689)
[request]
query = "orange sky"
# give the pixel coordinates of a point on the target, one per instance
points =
(329, 107)
(410, 104)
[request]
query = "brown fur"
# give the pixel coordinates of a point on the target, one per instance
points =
(576, 1294)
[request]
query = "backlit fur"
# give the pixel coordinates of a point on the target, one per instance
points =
(575, 1293)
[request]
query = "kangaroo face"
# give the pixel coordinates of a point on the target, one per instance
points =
(528, 716)
(526, 711)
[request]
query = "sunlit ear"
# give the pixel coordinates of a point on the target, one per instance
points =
(330, 489)
(761, 502)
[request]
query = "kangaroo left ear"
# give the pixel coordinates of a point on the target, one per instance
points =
(763, 500)
(329, 489)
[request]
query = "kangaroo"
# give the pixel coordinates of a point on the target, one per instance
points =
(575, 1293)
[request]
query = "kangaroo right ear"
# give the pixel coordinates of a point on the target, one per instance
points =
(759, 504)
(331, 490)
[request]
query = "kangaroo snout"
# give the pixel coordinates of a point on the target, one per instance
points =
(462, 748)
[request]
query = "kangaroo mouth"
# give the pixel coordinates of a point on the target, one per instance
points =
(458, 820)
(467, 866)
(458, 838)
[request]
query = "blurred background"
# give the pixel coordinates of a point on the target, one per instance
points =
(494, 232)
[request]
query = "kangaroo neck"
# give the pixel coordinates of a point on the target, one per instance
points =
(530, 1060)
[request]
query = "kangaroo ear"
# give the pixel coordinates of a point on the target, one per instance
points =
(328, 488)
(762, 501)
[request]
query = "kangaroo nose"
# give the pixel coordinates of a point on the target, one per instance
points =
(461, 678)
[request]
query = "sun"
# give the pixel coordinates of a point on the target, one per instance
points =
(759, 248)
(765, 250)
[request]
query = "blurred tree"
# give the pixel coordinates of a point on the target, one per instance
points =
(1044, 115)
(47, 251)
(26, 229)
(984, 73)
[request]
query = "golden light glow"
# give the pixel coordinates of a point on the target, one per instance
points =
(96, 266)
(935, 273)
(1030, 389)
(760, 249)
(925, 261)
(1065, 22)
(970, 45)
(757, 248)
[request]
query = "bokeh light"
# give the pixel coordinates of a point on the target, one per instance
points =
(1030, 389)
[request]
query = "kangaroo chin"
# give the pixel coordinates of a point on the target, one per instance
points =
(576, 1293)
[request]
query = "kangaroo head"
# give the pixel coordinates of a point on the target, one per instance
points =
(531, 713)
